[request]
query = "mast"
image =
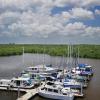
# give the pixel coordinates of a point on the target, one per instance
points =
(44, 55)
(68, 57)
(23, 55)
(78, 54)
(37, 57)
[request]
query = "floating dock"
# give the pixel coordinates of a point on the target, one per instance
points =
(12, 89)
(31, 92)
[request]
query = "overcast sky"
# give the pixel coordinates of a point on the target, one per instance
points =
(50, 21)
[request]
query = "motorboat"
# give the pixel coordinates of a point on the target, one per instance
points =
(5, 82)
(86, 69)
(76, 92)
(54, 91)
(41, 69)
(21, 82)
(71, 83)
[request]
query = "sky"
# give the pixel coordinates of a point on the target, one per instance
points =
(50, 21)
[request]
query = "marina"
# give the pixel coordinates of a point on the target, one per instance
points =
(49, 49)
(36, 89)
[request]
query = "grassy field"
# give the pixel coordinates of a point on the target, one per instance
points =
(86, 51)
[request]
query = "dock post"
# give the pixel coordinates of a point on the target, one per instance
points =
(81, 89)
(18, 92)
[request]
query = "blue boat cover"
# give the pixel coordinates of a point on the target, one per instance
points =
(82, 65)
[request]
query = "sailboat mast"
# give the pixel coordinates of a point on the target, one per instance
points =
(43, 56)
(23, 56)
(70, 56)
(78, 54)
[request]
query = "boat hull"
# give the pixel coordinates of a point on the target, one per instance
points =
(72, 86)
(55, 96)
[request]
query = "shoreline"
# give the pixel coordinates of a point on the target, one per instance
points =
(85, 51)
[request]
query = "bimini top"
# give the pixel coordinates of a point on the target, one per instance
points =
(82, 65)
(21, 79)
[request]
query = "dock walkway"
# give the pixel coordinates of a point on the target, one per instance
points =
(30, 93)
(12, 89)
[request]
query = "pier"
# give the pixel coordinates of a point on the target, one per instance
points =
(31, 92)
(12, 89)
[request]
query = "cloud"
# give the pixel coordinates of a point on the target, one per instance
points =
(28, 4)
(92, 31)
(9, 17)
(34, 18)
(37, 24)
(78, 13)
(31, 23)
(46, 28)
(81, 13)
(66, 15)
(78, 29)
(97, 12)
(15, 4)
(77, 3)
(90, 3)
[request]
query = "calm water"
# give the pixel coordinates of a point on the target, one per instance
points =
(13, 65)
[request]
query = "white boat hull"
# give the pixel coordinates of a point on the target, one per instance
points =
(56, 96)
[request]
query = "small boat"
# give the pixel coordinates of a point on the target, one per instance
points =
(5, 82)
(76, 92)
(37, 76)
(78, 78)
(71, 83)
(86, 69)
(41, 69)
(40, 72)
(21, 82)
(54, 91)
(85, 72)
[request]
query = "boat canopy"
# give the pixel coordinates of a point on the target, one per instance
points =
(82, 65)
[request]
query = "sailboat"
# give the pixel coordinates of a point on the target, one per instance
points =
(70, 78)
(54, 90)
(83, 71)
(39, 72)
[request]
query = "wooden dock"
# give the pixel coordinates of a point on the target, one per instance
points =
(12, 89)
(31, 93)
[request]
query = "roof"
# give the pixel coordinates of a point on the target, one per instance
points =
(5, 80)
(54, 86)
(88, 66)
(21, 79)
(82, 65)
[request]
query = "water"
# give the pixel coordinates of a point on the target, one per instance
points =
(13, 65)
(9, 95)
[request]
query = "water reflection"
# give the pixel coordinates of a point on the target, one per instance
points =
(9, 95)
